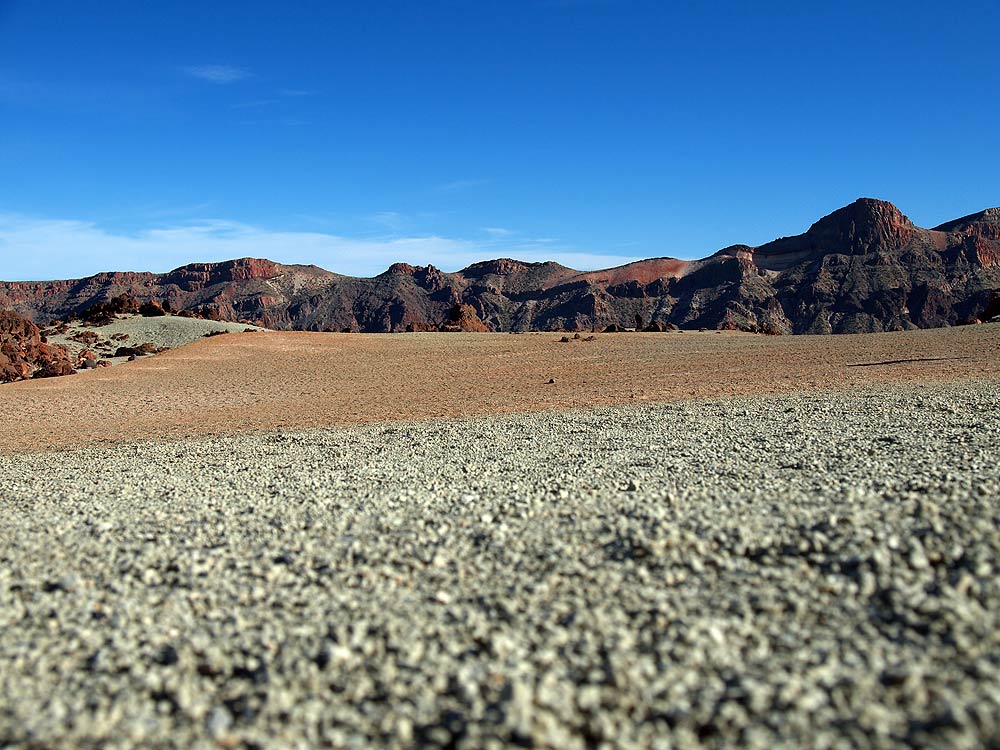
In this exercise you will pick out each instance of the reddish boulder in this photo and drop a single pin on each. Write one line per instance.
(52, 361)
(464, 318)
(22, 353)
(209, 313)
(85, 337)
(87, 359)
(151, 309)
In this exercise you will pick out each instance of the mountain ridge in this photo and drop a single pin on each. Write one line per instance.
(864, 267)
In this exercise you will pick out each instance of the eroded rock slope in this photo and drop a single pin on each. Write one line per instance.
(864, 268)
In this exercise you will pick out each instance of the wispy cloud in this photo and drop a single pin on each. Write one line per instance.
(498, 231)
(458, 185)
(254, 104)
(174, 211)
(296, 92)
(389, 220)
(217, 73)
(32, 248)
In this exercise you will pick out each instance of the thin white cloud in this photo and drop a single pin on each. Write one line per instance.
(175, 211)
(217, 73)
(32, 249)
(254, 104)
(392, 220)
(296, 92)
(456, 186)
(498, 231)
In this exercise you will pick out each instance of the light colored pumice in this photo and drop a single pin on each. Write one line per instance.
(762, 572)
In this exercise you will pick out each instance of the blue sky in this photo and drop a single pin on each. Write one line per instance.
(145, 135)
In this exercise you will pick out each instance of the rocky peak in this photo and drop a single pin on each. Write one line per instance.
(401, 269)
(498, 267)
(197, 275)
(428, 276)
(867, 225)
(985, 224)
(733, 251)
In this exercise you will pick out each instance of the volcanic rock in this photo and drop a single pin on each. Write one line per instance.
(991, 311)
(137, 351)
(865, 267)
(103, 312)
(22, 353)
(151, 309)
(463, 317)
(419, 327)
(985, 224)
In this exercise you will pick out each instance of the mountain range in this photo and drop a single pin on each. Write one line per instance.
(863, 268)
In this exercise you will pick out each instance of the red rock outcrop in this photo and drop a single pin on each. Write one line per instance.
(463, 318)
(985, 224)
(24, 355)
(199, 275)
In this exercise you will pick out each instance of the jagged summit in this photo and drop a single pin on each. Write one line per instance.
(732, 251)
(504, 267)
(984, 224)
(865, 225)
(406, 269)
(868, 225)
(866, 210)
(987, 216)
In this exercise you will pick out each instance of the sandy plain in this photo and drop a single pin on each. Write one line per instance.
(275, 381)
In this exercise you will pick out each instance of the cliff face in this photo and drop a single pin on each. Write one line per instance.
(865, 267)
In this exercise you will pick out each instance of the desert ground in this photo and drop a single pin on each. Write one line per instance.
(283, 381)
(689, 540)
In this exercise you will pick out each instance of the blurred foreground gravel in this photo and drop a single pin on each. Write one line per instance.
(811, 571)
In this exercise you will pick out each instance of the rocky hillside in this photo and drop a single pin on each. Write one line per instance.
(865, 267)
(24, 353)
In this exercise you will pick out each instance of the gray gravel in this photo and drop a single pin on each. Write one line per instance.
(166, 331)
(813, 571)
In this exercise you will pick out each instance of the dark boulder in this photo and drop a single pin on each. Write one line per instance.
(151, 309)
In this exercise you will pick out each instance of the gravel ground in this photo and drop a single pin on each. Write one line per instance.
(797, 571)
(167, 331)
